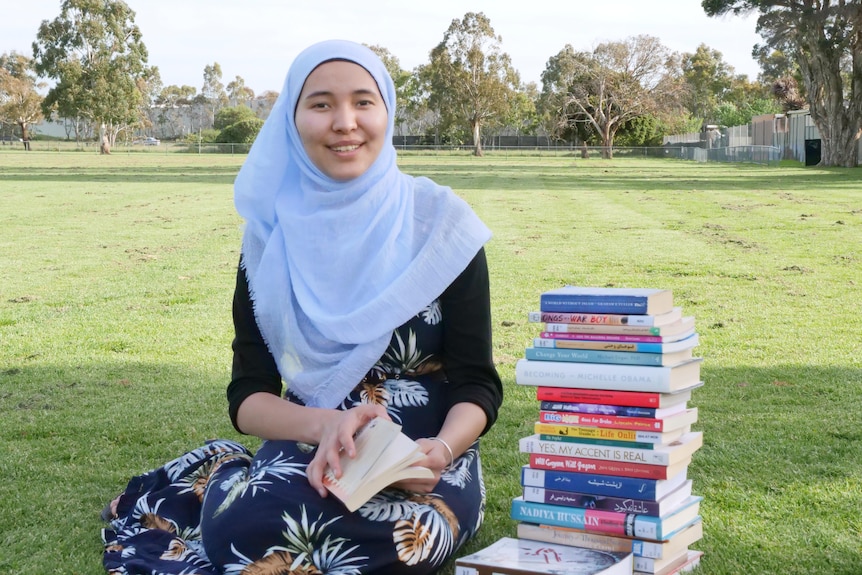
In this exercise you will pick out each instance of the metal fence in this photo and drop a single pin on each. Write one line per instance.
(690, 151)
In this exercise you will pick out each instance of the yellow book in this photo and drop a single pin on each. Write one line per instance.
(384, 455)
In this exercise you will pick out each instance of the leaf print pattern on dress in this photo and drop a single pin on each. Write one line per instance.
(428, 534)
(309, 550)
(433, 313)
(256, 478)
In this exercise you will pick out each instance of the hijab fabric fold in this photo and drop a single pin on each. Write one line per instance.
(335, 266)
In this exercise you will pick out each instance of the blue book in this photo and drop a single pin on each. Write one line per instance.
(599, 356)
(634, 301)
(609, 485)
(608, 522)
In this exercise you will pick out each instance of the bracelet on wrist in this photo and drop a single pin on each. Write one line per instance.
(449, 449)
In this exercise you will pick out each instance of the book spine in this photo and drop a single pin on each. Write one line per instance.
(597, 466)
(575, 538)
(590, 318)
(615, 346)
(591, 483)
(580, 538)
(532, 444)
(598, 502)
(603, 329)
(653, 424)
(607, 522)
(592, 441)
(597, 408)
(603, 396)
(611, 304)
(603, 337)
(576, 432)
(592, 376)
(593, 356)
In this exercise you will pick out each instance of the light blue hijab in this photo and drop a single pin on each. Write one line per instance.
(335, 266)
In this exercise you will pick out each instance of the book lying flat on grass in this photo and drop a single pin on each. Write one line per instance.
(384, 455)
(510, 556)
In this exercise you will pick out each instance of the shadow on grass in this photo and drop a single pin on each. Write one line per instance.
(208, 174)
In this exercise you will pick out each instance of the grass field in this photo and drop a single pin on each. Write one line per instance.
(115, 332)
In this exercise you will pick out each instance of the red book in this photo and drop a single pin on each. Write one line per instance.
(604, 467)
(611, 397)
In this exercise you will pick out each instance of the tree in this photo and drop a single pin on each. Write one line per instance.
(172, 110)
(238, 93)
(708, 78)
(612, 86)
(401, 79)
(820, 36)
(470, 79)
(213, 95)
(231, 115)
(94, 52)
(20, 102)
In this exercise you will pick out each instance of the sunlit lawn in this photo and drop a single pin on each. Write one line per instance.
(115, 332)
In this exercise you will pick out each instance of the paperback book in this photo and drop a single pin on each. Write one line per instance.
(677, 542)
(604, 485)
(608, 503)
(599, 356)
(577, 433)
(607, 467)
(605, 318)
(579, 299)
(607, 522)
(511, 556)
(384, 455)
(611, 377)
(682, 325)
(678, 451)
(602, 409)
(571, 341)
(619, 337)
(668, 423)
(655, 400)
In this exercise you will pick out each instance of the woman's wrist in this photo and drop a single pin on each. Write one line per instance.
(449, 452)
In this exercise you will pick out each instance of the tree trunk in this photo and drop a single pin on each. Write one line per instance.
(105, 145)
(837, 115)
(25, 135)
(608, 144)
(477, 139)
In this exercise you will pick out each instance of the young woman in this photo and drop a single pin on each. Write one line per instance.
(363, 292)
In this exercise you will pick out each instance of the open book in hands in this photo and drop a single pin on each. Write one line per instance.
(384, 455)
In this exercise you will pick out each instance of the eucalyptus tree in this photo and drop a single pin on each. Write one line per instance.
(213, 95)
(597, 93)
(238, 93)
(94, 52)
(469, 79)
(20, 102)
(823, 38)
(707, 79)
(403, 86)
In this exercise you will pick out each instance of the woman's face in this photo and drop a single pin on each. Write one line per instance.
(341, 119)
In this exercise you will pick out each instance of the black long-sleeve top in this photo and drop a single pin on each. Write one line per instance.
(467, 351)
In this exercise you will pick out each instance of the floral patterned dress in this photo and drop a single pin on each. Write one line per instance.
(220, 509)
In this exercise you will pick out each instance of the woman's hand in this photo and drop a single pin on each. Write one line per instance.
(436, 459)
(337, 437)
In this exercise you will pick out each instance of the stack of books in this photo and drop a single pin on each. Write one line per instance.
(614, 370)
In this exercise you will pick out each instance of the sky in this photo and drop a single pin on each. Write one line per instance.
(257, 39)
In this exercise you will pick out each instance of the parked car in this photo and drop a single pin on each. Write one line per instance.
(147, 142)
